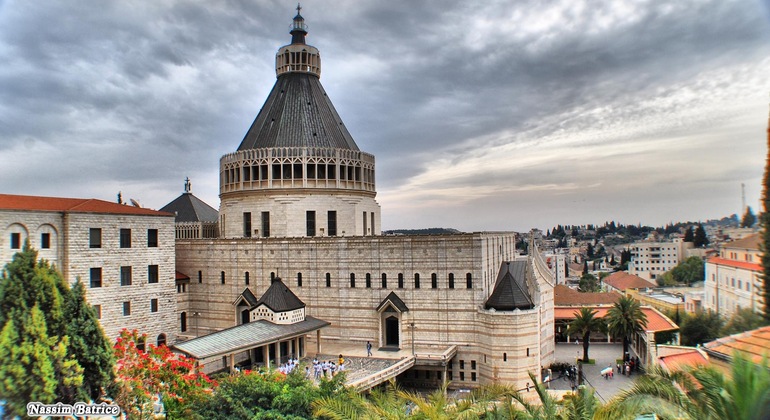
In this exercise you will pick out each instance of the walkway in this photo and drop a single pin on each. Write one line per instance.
(605, 355)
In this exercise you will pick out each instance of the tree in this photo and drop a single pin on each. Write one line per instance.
(764, 220)
(689, 235)
(590, 251)
(700, 239)
(687, 272)
(625, 319)
(585, 267)
(584, 324)
(744, 319)
(89, 345)
(748, 219)
(702, 327)
(589, 284)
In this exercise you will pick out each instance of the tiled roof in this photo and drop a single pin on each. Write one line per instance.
(510, 290)
(754, 343)
(394, 300)
(246, 336)
(689, 358)
(565, 296)
(249, 297)
(656, 321)
(71, 205)
(622, 281)
(298, 113)
(181, 276)
(189, 208)
(279, 298)
(749, 242)
(735, 264)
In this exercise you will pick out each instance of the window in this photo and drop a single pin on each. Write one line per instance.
(265, 224)
(416, 280)
(222, 277)
(15, 241)
(95, 238)
(246, 278)
(152, 274)
(45, 241)
(368, 280)
(96, 277)
(462, 364)
(400, 280)
(468, 281)
(98, 311)
(153, 305)
(140, 342)
(183, 321)
(161, 340)
(328, 280)
(331, 222)
(126, 308)
(473, 376)
(310, 223)
(473, 365)
(364, 234)
(451, 280)
(200, 276)
(352, 280)
(125, 276)
(505, 357)
(384, 281)
(299, 279)
(247, 224)
(462, 376)
(125, 238)
(433, 281)
(152, 238)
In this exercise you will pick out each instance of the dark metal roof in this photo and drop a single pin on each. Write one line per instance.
(249, 297)
(394, 300)
(511, 290)
(298, 113)
(189, 208)
(246, 336)
(279, 298)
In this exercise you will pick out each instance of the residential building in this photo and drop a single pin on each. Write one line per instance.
(622, 282)
(734, 278)
(651, 259)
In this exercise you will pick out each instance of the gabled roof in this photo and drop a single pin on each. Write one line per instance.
(755, 344)
(565, 296)
(279, 298)
(298, 113)
(247, 297)
(623, 281)
(393, 300)
(178, 275)
(71, 205)
(510, 290)
(749, 242)
(189, 208)
(656, 321)
(690, 358)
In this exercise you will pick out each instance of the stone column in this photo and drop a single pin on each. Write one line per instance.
(318, 342)
(232, 362)
(266, 355)
(277, 353)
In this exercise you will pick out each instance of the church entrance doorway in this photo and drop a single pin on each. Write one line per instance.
(391, 331)
(245, 316)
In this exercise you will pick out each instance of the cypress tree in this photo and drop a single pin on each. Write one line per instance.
(765, 221)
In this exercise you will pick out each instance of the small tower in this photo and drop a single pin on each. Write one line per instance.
(298, 172)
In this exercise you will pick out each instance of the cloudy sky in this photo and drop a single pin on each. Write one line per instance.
(503, 116)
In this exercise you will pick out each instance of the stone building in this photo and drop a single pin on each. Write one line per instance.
(124, 255)
(298, 202)
(734, 277)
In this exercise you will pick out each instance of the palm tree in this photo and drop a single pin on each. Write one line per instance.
(584, 324)
(580, 405)
(702, 393)
(625, 319)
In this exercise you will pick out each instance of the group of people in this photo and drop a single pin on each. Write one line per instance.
(327, 368)
(630, 365)
(289, 366)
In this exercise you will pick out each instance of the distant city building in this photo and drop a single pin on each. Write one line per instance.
(734, 278)
(620, 281)
(124, 255)
(651, 259)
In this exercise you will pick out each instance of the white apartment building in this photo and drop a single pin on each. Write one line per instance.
(651, 259)
(734, 277)
(124, 256)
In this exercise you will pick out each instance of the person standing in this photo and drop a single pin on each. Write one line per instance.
(368, 349)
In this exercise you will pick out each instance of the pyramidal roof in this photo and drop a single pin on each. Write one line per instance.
(279, 298)
(511, 290)
(298, 113)
(189, 208)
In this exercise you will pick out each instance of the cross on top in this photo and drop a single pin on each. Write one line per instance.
(187, 185)
(298, 8)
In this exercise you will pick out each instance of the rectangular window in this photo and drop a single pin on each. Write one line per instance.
(265, 224)
(45, 241)
(222, 277)
(126, 308)
(468, 281)
(247, 224)
(310, 223)
(368, 280)
(328, 280)
(152, 238)
(331, 223)
(416, 280)
(352, 280)
(400, 280)
(462, 364)
(462, 376)
(433, 281)
(153, 305)
(152, 274)
(364, 224)
(98, 310)
(451, 280)
(95, 238)
(125, 238)
(473, 376)
(473, 365)
(96, 277)
(15, 241)
(125, 276)
(372, 224)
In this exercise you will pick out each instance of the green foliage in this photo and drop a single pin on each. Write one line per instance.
(700, 239)
(689, 235)
(687, 272)
(583, 325)
(748, 219)
(702, 327)
(589, 284)
(625, 319)
(743, 319)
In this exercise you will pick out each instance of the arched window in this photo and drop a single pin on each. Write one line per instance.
(451, 280)
(352, 280)
(140, 343)
(433, 281)
(368, 280)
(400, 280)
(246, 278)
(384, 281)
(468, 281)
(505, 357)
(222, 277)
(299, 279)
(416, 280)
(161, 340)
(328, 280)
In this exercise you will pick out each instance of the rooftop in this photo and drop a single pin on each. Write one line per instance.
(621, 280)
(565, 296)
(656, 321)
(72, 205)
(754, 343)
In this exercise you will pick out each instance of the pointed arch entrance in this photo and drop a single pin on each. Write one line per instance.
(392, 331)
(391, 310)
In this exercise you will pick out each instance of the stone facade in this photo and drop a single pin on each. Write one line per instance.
(70, 249)
(734, 278)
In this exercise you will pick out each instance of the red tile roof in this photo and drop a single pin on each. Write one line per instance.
(754, 343)
(656, 321)
(622, 281)
(564, 296)
(689, 358)
(71, 205)
(181, 276)
(735, 264)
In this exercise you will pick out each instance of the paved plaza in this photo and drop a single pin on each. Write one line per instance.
(605, 355)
